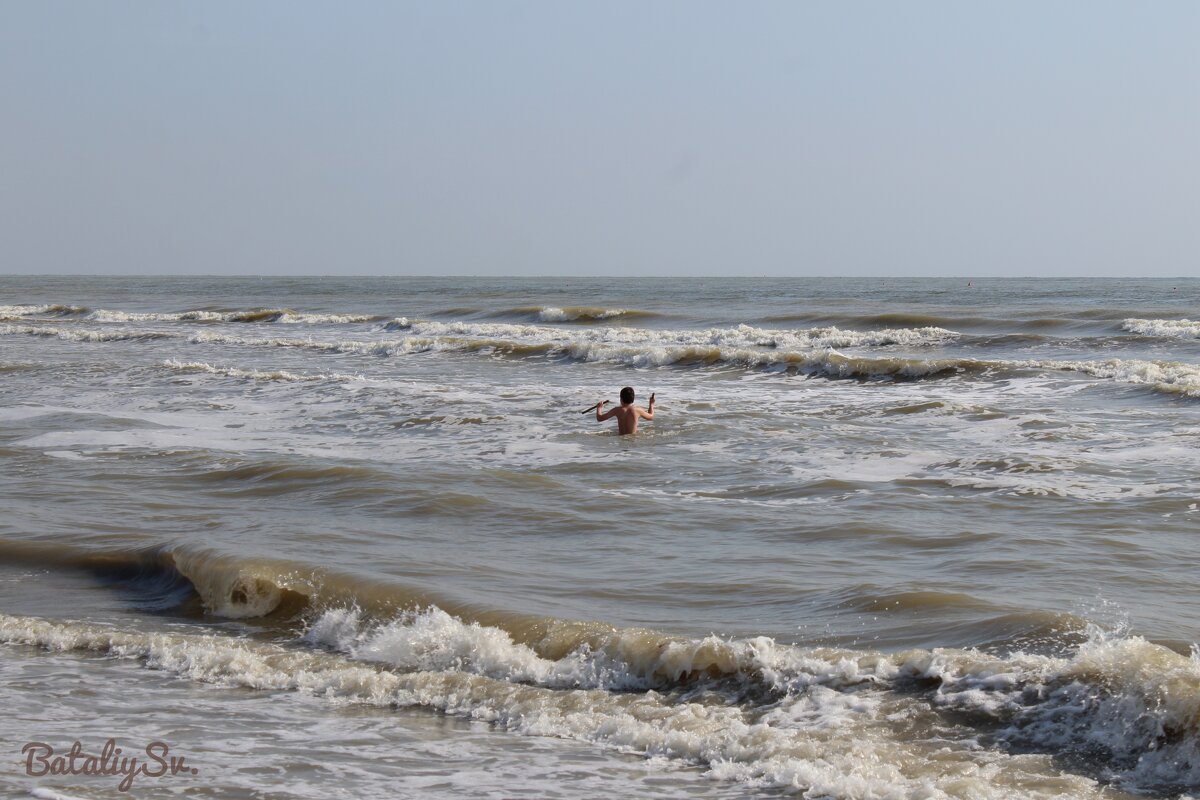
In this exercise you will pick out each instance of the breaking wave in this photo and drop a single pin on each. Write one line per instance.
(282, 315)
(1115, 709)
(1169, 377)
(813, 351)
(81, 334)
(195, 316)
(748, 350)
(737, 336)
(252, 374)
(822, 722)
(576, 314)
(750, 354)
(1167, 328)
(52, 309)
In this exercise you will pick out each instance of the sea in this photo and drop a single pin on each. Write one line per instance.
(356, 537)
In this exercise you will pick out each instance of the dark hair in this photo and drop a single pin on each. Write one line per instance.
(627, 395)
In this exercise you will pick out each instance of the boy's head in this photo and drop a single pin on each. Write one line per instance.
(627, 395)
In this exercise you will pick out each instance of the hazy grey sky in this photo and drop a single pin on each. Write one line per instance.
(662, 138)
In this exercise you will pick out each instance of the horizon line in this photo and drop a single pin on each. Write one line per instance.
(593, 277)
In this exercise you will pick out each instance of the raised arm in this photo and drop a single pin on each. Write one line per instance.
(647, 413)
(606, 415)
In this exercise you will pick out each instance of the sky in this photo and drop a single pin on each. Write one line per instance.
(626, 138)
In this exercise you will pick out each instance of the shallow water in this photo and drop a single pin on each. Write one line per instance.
(884, 538)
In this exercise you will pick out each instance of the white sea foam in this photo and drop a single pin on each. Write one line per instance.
(815, 739)
(814, 351)
(253, 374)
(555, 314)
(281, 315)
(104, 315)
(80, 334)
(740, 336)
(639, 348)
(28, 310)
(1168, 328)
(50, 794)
(375, 348)
(828, 362)
(1171, 377)
(435, 641)
(1117, 694)
(822, 708)
(826, 733)
(293, 317)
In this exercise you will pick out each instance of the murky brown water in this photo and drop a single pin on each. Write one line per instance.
(883, 538)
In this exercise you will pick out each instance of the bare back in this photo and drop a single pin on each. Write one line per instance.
(627, 417)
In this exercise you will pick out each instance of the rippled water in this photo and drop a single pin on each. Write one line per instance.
(883, 538)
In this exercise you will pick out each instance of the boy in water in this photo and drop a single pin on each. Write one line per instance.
(627, 414)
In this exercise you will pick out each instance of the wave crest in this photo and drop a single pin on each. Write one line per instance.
(1165, 328)
(573, 314)
(81, 334)
(50, 309)
(1169, 377)
(1123, 711)
(252, 374)
(280, 315)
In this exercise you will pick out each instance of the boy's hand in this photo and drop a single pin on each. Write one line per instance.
(652, 400)
(601, 404)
